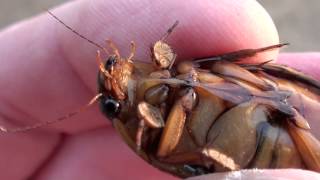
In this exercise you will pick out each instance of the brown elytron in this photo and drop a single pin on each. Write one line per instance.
(213, 114)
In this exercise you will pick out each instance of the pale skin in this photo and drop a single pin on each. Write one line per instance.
(47, 71)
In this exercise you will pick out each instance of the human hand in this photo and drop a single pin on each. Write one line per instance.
(47, 71)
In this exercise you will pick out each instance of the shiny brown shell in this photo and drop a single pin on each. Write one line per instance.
(214, 114)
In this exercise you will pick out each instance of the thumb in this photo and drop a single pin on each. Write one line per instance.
(285, 174)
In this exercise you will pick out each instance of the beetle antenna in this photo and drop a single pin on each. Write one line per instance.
(169, 31)
(74, 31)
(46, 123)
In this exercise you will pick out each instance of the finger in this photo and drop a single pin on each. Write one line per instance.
(305, 62)
(49, 71)
(286, 174)
(22, 155)
(93, 156)
(46, 70)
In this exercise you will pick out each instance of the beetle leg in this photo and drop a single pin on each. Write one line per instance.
(132, 51)
(233, 70)
(237, 55)
(188, 70)
(101, 66)
(196, 171)
(185, 67)
(173, 130)
(164, 74)
(139, 134)
(162, 55)
(157, 94)
(307, 145)
(113, 47)
(290, 73)
(169, 31)
(149, 116)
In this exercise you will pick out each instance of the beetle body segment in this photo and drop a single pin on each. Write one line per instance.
(210, 116)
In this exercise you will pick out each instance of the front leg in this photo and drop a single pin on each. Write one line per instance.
(150, 117)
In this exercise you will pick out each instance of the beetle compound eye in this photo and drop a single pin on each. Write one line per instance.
(111, 107)
(110, 62)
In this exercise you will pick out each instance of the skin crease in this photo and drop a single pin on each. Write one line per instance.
(47, 71)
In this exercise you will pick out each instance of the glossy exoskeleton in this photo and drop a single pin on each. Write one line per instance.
(212, 114)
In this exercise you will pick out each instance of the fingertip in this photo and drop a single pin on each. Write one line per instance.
(305, 62)
(207, 28)
(224, 26)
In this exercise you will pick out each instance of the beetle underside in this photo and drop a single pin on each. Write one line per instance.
(214, 114)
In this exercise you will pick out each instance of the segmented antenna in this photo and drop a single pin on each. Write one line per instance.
(169, 31)
(69, 115)
(41, 124)
(74, 31)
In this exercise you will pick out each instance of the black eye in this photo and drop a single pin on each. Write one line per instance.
(110, 107)
(110, 62)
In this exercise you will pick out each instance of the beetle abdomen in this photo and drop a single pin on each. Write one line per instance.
(220, 116)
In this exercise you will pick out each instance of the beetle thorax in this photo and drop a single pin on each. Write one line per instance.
(121, 74)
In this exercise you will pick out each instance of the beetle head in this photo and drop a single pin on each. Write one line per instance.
(114, 80)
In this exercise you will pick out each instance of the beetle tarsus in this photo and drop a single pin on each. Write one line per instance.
(113, 47)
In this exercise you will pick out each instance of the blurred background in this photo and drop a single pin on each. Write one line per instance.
(298, 21)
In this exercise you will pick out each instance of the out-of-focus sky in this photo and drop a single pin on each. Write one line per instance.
(298, 21)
